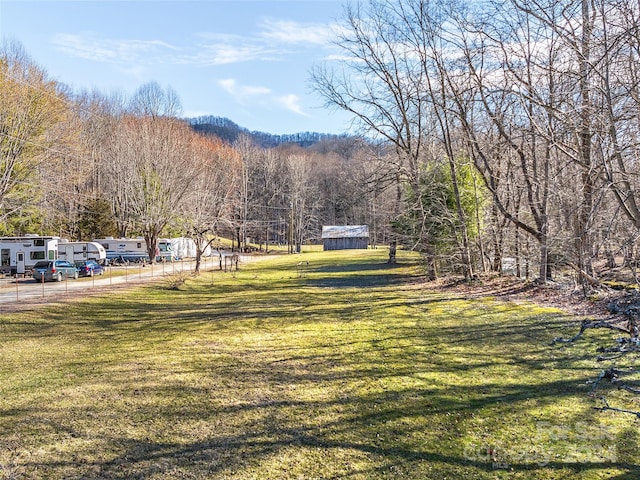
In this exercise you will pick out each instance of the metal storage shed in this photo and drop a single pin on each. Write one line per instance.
(345, 237)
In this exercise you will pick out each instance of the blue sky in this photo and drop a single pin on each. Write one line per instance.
(245, 60)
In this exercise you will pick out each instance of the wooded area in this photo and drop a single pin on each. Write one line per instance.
(86, 165)
(488, 135)
(540, 98)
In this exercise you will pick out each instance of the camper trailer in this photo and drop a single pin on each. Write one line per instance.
(184, 247)
(165, 250)
(81, 251)
(18, 255)
(134, 249)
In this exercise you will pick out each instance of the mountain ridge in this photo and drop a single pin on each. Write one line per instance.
(229, 131)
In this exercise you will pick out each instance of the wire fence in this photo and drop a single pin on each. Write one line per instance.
(19, 288)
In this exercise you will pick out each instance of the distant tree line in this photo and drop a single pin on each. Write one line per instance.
(488, 138)
(84, 165)
(230, 132)
(531, 107)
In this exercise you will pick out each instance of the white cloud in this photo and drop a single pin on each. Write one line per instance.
(290, 32)
(272, 43)
(261, 96)
(98, 49)
(242, 92)
(292, 102)
(222, 51)
(224, 54)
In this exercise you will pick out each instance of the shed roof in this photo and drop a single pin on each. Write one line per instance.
(345, 231)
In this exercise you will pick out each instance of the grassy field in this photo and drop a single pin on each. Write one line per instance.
(340, 368)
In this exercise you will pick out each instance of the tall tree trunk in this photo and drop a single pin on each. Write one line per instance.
(583, 237)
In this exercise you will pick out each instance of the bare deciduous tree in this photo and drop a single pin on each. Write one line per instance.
(396, 85)
(151, 100)
(160, 172)
(208, 200)
(31, 105)
(302, 198)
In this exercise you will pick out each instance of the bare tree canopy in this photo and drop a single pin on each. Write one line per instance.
(541, 96)
(30, 108)
(151, 100)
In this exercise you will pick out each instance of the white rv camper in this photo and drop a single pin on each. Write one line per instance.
(133, 249)
(19, 254)
(184, 247)
(165, 250)
(81, 251)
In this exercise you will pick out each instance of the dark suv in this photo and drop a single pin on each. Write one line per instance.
(89, 268)
(54, 270)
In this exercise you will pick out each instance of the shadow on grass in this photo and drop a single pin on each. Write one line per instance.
(216, 459)
(364, 426)
(357, 274)
(359, 281)
(375, 383)
(358, 267)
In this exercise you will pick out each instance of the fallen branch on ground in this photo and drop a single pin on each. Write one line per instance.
(586, 324)
(625, 319)
(613, 375)
(614, 409)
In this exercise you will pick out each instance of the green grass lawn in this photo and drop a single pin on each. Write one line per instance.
(342, 368)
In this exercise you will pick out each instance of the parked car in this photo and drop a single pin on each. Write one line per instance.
(54, 270)
(89, 268)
